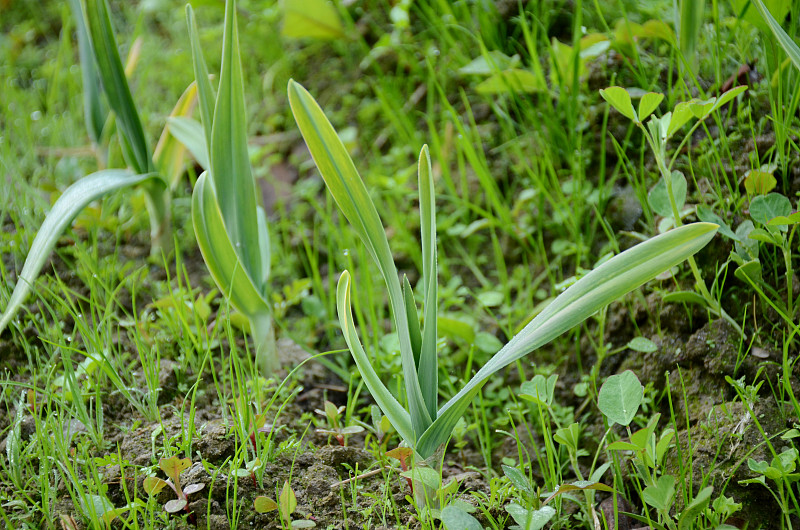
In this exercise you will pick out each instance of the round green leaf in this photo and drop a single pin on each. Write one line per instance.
(620, 397)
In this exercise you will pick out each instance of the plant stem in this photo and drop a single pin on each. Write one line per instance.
(157, 199)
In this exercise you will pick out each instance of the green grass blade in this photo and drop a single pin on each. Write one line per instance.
(230, 162)
(385, 400)
(350, 193)
(189, 132)
(264, 246)
(603, 285)
(219, 254)
(72, 201)
(785, 41)
(205, 91)
(115, 84)
(94, 113)
(691, 13)
(428, 366)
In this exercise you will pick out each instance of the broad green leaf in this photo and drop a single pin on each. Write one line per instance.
(785, 220)
(642, 345)
(727, 96)
(620, 396)
(659, 196)
(490, 298)
(707, 215)
(569, 436)
(287, 500)
(386, 401)
(425, 475)
(455, 518)
(115, 84)
(767, 207)
(759, 182)
(175, 505)
(487, 343)
(174, 466)
(350, 193)
(219, 254)
(428, 368)
(514, 81)
(530, 519)
(540, 389)
(72, 201)
(608, 282)
(694, 509)
(453, 328)
(619, 98)
(94, 112)
(648, 104)
(662, 495)
(263, 504)
(170, 151)
(311, 18)
(154, 485)
(205, 92)
(230, 162)
(744, 246)
(518, 479)
(189, 132)
(681, 114)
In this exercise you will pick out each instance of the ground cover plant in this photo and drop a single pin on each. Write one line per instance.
(315, 346)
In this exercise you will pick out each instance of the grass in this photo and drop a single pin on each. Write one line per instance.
(119, 359)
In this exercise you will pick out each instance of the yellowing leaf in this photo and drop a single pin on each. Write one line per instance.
(316, 19)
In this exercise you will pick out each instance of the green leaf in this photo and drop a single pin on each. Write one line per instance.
(350, 193)
(94, 111)
(707, 215)
(386, 401)
(530, 519)
(514, 81)
(694, 509)
(659, 197)
(642, 345)
(689, 297)
(170, 151)
(174, 466)
(205, 92)
(648, 104)
(660, 496)
(702, 108)
(263, 504)
(230, 162)
(620, 396)
(115, 84)
(785, 220)
(287, 500)
(428, 367)
(759, 182)
(413, 319)
(175, 505)
(767, 207)
(455, 518)
(540, 389)
(619, 98)
(425, 475)
(681, 114)
(153, 485)
(608, 282)
(219, 254)
(579, 485)
(450, 327)
(569, 436)
(487, 343)
(490, 63)
(518, 479)
(189, 132)
(311, 18)
(725, 97)
(72, 201)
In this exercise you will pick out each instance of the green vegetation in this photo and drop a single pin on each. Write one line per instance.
(531, 267)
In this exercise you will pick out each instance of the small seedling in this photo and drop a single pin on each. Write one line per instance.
(250, 470)
(172, 467)
(286, 505)
(332, 413)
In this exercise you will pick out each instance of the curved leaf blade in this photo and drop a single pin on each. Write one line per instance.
(72, 201)
(219, 254)
(608, 282)
(189, 132)
(170, 152)
(428, 368)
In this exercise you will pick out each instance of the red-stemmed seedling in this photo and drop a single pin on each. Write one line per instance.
(172, 467)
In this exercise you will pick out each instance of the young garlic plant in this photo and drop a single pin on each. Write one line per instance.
(156, 173)
(424, 425)
(230, 226)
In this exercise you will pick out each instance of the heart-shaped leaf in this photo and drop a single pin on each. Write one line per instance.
(662, 494)
(620, 397)
(620, 99)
